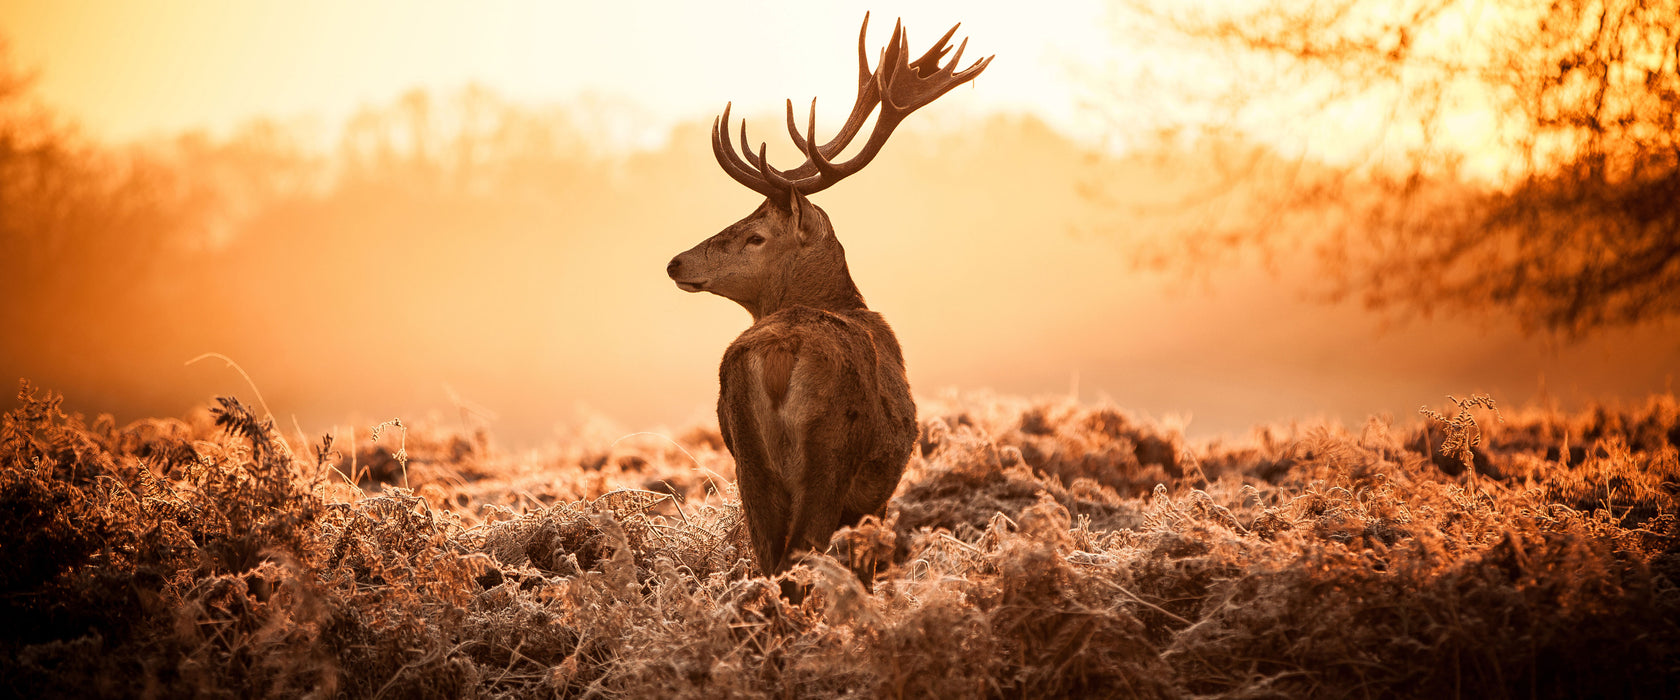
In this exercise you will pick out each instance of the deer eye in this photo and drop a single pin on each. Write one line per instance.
(755, 240)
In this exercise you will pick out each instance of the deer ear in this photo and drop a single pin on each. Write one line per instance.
(796, 210)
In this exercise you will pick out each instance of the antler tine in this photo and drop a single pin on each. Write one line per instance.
(975, 69)
(930, 60)
(773, 177)
(731, 163)
(867, 96)
(956, 59)
(746, 148)
(891, 57)
(793, 129)
(863, 55)
(817, 159)
(774, 180)
(758, 162)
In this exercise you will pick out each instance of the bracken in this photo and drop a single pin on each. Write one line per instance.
(1043, 549)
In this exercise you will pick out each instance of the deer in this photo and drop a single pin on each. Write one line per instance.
(813, 400)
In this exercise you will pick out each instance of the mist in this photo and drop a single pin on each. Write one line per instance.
(469, 260)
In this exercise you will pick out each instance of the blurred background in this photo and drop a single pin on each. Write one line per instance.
(1225, 213)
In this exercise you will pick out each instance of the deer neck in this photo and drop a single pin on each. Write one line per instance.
(816, 277)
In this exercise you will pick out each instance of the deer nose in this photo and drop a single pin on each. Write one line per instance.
(671, 269)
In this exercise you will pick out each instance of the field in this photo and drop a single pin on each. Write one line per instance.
(1034, 549)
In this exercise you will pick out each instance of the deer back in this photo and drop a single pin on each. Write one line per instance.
(805, 374)
(816, 407)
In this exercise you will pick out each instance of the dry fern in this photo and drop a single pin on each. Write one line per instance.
(1052, 550)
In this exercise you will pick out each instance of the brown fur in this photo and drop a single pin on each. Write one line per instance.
(777, 369)
(813, 400)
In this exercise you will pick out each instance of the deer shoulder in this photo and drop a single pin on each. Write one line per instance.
(816, 372)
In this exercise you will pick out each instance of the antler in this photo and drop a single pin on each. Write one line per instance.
(897, 86)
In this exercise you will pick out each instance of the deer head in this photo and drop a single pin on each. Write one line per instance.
(785, 252)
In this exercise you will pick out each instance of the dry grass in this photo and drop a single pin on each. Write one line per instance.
(1033, 550)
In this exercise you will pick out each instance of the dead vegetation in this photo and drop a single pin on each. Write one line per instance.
(1043, 549)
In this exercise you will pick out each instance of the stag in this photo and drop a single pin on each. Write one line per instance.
(813, 400)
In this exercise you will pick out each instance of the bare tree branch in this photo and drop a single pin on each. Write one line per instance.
(1578, 226)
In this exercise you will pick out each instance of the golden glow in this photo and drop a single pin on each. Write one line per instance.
(547, 292)
(129, 69)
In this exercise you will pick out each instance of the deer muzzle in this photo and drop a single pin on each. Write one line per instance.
(675, 270)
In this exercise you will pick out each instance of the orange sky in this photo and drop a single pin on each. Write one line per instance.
(129, 69)
(1100, 75)
(967, 233)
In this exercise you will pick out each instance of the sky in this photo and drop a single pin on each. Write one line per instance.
(968, 233)
(1095, 71)
(127, 70)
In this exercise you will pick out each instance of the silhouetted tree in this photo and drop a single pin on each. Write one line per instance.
(1530, 161)
(78, 221)
(95, 240)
